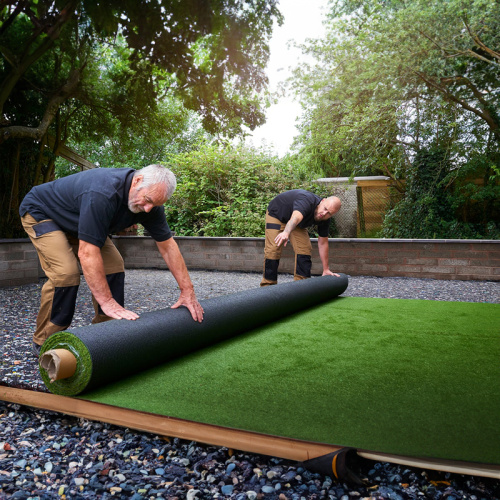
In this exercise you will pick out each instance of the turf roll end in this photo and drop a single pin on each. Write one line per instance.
(76, 383)
(335, 465)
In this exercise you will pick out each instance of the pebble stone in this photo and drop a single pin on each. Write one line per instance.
(45, 455)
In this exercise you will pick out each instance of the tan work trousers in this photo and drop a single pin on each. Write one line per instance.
(58, 254)
(299, 238)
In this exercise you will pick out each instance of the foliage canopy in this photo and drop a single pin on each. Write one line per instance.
(225, 191)
(396, 79)
(81, 69)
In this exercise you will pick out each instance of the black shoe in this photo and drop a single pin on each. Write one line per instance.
(36, 349)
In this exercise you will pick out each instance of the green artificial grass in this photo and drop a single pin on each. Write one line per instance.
(409, 377)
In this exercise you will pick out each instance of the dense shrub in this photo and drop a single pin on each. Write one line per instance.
(442, 202)
(224, 191)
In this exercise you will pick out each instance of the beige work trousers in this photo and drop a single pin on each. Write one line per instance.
(58, 254)
(301, 243)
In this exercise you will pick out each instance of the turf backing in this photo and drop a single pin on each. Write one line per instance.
(114, 350)
(409, 377)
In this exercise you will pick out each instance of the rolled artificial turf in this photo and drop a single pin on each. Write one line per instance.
(406, 377)
(116, 349)
(409, 377)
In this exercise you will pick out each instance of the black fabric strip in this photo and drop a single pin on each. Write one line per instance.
(304, 264)
(63, 305)
(271, 269)
(270, 225)
(45, 227)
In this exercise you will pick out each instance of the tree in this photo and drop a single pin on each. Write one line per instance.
(113, 138)
(207, 54)
(396, 76)
(396, 79)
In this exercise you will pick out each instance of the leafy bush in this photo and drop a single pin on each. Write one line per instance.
(441, 202)
(224, 191)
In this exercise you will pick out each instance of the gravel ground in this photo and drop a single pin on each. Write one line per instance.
(47, 455)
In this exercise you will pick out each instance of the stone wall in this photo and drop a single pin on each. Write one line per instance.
(437, 259)
(18, 262)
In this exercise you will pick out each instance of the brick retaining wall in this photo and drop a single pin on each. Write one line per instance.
(437, 259)
(18, 262)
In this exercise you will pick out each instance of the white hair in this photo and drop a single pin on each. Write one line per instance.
(158, 174)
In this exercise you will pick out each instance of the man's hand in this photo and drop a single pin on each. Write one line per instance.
(327, 272)
(282, 238)
(114, 310)
(189, 300)
(173, 258)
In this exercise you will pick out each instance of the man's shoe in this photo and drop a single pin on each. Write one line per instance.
(36, 349)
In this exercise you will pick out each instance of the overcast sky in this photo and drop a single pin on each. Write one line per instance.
(303, 19)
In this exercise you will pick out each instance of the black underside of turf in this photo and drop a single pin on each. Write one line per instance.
(119, 348)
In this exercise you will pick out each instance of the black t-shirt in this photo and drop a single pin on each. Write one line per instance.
(305, 202)
(91, 204)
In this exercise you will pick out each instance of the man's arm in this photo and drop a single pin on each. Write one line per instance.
(95, 276)
(294, 221)
(172, 256)
(323, 255)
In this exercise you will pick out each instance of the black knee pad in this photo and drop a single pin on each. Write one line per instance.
(63, 305)
(304, 264)
(271, 269)
(116, 282)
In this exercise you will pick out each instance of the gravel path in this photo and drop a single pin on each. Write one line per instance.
(46, 455)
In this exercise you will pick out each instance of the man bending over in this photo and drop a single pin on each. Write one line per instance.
(68, 221)
(287, 217)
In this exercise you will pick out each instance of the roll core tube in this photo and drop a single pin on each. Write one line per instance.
(58, 363)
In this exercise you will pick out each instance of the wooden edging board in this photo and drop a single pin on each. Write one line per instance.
(253, 442)
(456, 467)
(290, 449)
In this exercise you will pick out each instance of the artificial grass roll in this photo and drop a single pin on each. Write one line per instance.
(116, 349)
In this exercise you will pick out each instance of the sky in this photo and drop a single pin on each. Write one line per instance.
(303, 19)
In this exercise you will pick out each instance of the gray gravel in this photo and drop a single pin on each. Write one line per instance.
(47, 455)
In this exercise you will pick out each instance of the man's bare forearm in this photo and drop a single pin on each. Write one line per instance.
(323, 255)
(175, 262)
(292, 223)
(323, 252)
(95, 275)
(173, 258)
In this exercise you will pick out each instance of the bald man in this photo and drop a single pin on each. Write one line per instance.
(287, 218)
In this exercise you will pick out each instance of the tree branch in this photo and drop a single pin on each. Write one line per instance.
(442, 49)
(36, 133)
(454, 53)
(19, 7)
(480, 44)
(479, 96)
(484, 115)
(28, 59)
(398, 185)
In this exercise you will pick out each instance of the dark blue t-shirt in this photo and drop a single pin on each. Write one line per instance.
(305, 202)
(92, 204)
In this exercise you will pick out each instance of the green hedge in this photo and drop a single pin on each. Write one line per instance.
(224, 191)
